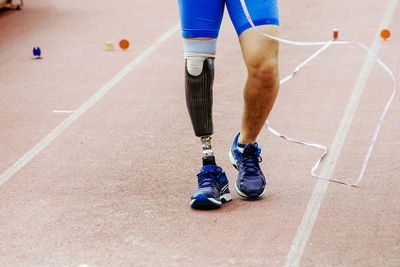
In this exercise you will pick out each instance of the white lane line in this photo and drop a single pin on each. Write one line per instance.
(304, 230)
(85, 106)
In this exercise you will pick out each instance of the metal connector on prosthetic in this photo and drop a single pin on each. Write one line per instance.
(208, 154)
(206, 143)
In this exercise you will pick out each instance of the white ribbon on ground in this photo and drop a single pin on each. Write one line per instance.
(325, 45)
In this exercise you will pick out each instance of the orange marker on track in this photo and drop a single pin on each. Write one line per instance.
(124, 44)
(335, 34)
(385, 34)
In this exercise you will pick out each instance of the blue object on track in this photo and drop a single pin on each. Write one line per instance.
(37, 52)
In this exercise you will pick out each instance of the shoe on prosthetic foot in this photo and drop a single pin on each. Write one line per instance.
(213, 188)
(250, 182)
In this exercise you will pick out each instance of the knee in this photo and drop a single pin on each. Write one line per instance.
(264, 72)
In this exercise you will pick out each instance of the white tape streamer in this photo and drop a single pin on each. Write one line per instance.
(287, 78)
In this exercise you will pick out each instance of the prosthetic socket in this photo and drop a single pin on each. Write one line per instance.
(199, 95)
(199, 98)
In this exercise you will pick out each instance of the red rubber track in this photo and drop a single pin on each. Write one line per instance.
(114, 188)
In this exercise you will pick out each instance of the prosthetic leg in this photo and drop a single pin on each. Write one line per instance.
(213, 189)
(199, 97)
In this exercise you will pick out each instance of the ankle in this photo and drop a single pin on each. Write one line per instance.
(244, 139)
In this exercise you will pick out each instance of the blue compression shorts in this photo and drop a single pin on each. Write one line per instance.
(202, 18)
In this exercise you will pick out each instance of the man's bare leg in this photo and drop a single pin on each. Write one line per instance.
(261, 58)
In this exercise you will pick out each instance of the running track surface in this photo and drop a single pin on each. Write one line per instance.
(112, 188)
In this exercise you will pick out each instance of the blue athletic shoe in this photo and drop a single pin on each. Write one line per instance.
(213, 189)
(250, 183)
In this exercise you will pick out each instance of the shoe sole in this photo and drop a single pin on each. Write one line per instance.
(232, 159)
(202, 202)
(240, 193)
